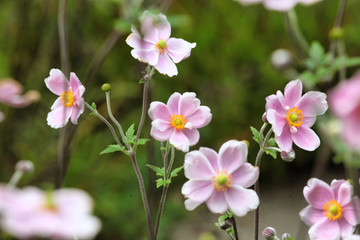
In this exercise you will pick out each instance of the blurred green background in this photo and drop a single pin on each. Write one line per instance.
(229, 70)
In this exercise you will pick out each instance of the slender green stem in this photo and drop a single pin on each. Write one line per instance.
(15, 178)
(342, 56)
(297, 31)
(112, 130)
(147, 78)
(261, 133)
(108, 104)
(235, 228)
(143, 195)
(338, 24)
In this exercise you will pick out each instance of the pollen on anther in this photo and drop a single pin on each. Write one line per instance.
(294, 117)
(67, 98)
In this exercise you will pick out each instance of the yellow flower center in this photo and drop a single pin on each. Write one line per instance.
(222, 181)
(49, 203)
(178, 121)
(333, 210)
(67, 98)
(294, 117)
(161, 46)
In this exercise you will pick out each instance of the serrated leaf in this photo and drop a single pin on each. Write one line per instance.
(272, 153)
(112, 148)
(130, 132)
(160, 182)
(159, 171)
(176, 171)
(271, 142)
(256, 134)
(317, 52)
(142, 141)
(93, 105)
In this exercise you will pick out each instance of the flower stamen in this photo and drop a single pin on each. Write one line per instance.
(161, 46)
(178, 121)
(67, 98)
(294, 116)
(222, 180)
(333, 210)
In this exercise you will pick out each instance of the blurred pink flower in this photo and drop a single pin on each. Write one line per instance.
(279, 5)
(353, 237)
(154, 46)
(10, 94)
(70, 103)
(178, 120)
(291, 116)
(221, 179)
(61, 214)
(333, 212)
(344, 101)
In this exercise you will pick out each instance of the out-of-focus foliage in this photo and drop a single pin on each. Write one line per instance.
(229, 70)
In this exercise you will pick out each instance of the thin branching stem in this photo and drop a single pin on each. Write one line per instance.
(338, 24)
(236, 235)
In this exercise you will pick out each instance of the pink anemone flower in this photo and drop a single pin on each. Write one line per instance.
(344, 101)
(178, 120)
(279, 5)
(10, 94)
(61, 214)
(154, 46)
(70, 103)
(221, 179)
(332, 212)
(292, 116)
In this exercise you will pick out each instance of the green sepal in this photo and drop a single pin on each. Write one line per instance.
(93, 106)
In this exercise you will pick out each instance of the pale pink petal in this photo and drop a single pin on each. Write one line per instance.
(163, 26)
(309, 121)
(280, 5)
(188, 104)
(193, 135)
(241, 200)
(57, 82)
(73, 201)
(284, 141)
(232, 155)
(351, 133)
(352, 237)
(191, 204)
(212, 157)
(76, 85)
(135, 41)
(308, 2)
(217, 203)
(148, 27)
(273, 102)
(147, 56)
(84, 227)
(197, 167)
(306, 138)
(180, 141)
(161, 130)
(245, 176)
(317, 193)
(335, 186)
(9, 88)
(325, 230)
(166, 66)
(345, 194)
(179, 49)
(312, 215)
(159, 110)
(293, 89)
(312, 103)
(58, 117)
(76, 112)
(173, 103)
(198, 191)
(277, 121)
(201, 117)
(351, 212)
(345, 228)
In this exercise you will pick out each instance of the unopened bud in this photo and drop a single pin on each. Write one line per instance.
(106, 87)
(247, 142)
(207, 236)
(264, 118)
(336, 33)
(269, 233)
(285, 236)
(288, 156)
(282, 59)
(224, 225)
(24, 166)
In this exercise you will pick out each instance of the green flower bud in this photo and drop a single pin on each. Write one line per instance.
(106, 87)
(336, 33)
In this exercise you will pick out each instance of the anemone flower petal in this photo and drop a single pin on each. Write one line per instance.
(284, 141)
(306, 138)
(58, 117)
(166, 66)
(173, 103)
(325, 230)
(147, 56)
(313, 103)
(217, 203)
(193, 135)
(200, 117)
(178, 48)
(188, 104)
(277, 121)
(76, 85)
(198, 191)
(246, 175)
(57, 82)
(312, 215)
(241, 200)
(317, 193)
(232, 155)
(159, 110)
(212, 157)
(197, 167)
(135, 41)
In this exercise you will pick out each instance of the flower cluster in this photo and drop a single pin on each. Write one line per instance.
(153, 45)
(60, 214)
(70, 103)
(332, 212)
(292, 115)
(178, 120)
(220, 179)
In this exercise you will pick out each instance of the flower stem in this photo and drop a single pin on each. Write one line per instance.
(149, 72)
(235, 227)
(15, 178)
(143, 195)
(108, 104)
(338, 24)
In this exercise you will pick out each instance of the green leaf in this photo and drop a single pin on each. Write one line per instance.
(271, 142)
(130, 133)
(142, 141)
(93, 105)
(317, 53)
(272, 153)
(160, 182)
(122, 26)
(112, 148)
(159, 171)
(256, 134)
(176, 171)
